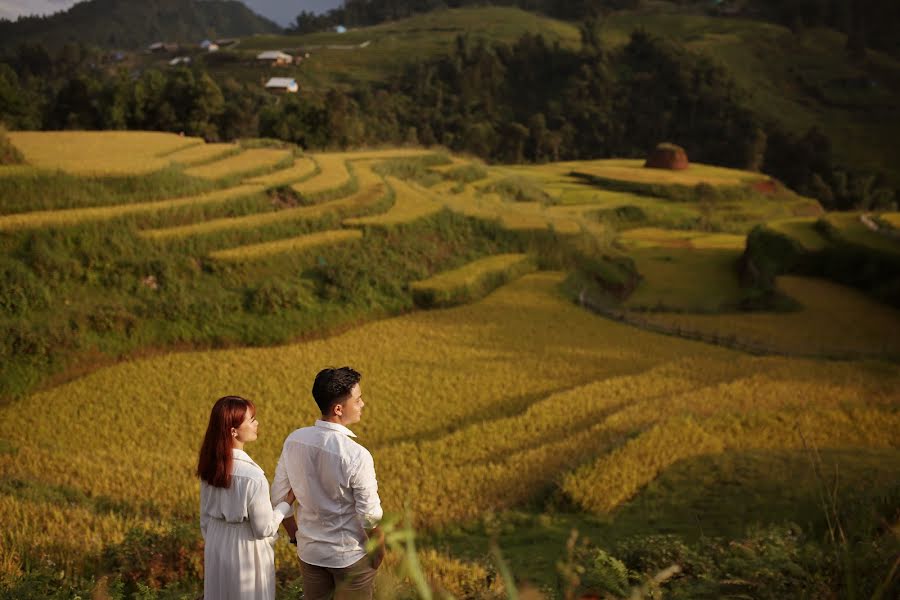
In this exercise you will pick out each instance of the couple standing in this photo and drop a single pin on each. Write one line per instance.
(332, 480)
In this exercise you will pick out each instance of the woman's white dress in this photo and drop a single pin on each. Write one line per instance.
(240, 526)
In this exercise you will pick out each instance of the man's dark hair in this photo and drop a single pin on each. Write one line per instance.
(332, 386)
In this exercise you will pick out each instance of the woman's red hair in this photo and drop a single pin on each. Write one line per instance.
(214, 466)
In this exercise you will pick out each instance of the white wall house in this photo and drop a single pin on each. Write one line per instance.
(282, 84)
(276, 57)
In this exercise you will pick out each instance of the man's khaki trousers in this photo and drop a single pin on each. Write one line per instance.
(355, 582)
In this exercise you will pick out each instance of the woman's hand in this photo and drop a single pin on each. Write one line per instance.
(290, 497)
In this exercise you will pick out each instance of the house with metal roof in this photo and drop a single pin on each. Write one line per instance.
(286, 85)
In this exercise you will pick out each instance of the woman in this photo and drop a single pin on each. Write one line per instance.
(236, 516)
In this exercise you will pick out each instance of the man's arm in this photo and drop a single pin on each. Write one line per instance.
(368, 504)
(281, 485)
(281, 489)
(290, 526)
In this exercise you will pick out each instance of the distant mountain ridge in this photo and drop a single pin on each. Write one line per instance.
(126, 24)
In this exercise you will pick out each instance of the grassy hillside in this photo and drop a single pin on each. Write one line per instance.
(800, 80)
(643, 423)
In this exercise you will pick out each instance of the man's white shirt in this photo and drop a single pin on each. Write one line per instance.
(333, 478)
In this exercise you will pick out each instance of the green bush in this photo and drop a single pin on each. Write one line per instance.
(157, 559)
(466, 173)
(9, 154)
(519, 189)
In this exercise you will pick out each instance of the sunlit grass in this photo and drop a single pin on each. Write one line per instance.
(294, 244)
(202, 153)
(411, 202)
(248, 161)
(72, 216)
(99, 152)
(834, 320)
(302, 168)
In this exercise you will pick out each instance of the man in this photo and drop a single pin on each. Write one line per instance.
(338, 508)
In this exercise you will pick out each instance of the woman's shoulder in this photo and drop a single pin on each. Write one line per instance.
(244, 466)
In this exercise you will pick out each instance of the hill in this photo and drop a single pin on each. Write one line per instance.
(589, 368)
(120, 24)
(797, 80)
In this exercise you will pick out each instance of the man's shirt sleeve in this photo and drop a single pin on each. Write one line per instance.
(365, 491)
(281, 485)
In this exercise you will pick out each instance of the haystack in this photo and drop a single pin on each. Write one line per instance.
(667, 156)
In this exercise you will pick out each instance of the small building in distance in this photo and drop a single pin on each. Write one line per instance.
(283, 85)
(209, 46)
(340, 29)
(180, 60)
(275, 57)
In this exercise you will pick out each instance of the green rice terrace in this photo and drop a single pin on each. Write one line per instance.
(581, 377)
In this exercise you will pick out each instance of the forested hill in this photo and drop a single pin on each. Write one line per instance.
(867, 23)
(126, 24)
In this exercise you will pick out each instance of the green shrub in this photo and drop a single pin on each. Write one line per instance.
(20, 289)
(157, 559)
(519, 189)
(9, 154)
(414, 169)
(466, 173)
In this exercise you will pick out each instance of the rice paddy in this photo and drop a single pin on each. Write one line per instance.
(361, 201)
(303, 168)
(513, 396)
(802, 230)
(411, 202)
(850, 228)
(74, 216)
(202, 153)
(834, 321)
(502, 435)
(248, 161)
(99, 152)
(470, 281)
(294, 244)
(633, 170)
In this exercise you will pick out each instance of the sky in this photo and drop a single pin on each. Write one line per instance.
(282, 12)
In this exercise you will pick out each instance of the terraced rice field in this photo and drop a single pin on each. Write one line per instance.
(282, 246)
(834, 321)
(850, 228)
(202, 153)
(99, 152)
(74, 216)
(332, 175)
(363, 200)
(303, 168)
(801, 230)
(502, 437)
(654, 237)
(634, 170)
(248, 161)
(470, 281)
(411, 202)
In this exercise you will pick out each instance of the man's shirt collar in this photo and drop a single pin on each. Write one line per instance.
(334, 427)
